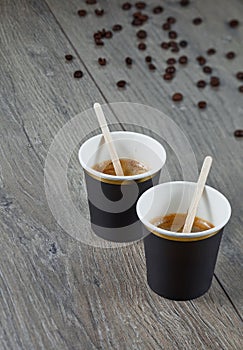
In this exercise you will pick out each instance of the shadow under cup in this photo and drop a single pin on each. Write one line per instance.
(180, 266)
(112, 199)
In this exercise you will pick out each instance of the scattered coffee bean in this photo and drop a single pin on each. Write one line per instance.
(137, 22)
(183, 60)
(214, 81)
(148, 59)
(171, 61)
(233, 23)
(117, 28)
(168, 76)
(99, 42)
(151, 66)
(173, 43)
(102, 61)
(99, 13)
(175, 49)
(78, 74)
(139, 19)
(91, 2)
(201, 84)
(207, 69)
(197, 21)
(158, 9)
(238, 133)
(126, 6)
(172, 34)
(108, 34)
(171, 20)
(201, 60)
(240, 88)
(141, 34)
(97, 35)
(142, 46)
(202, 104)
(69, 57)
(183, 43)
(239, 75)
(140, 5)
(128, 61)
(177, 97)
(184, 2)
(164, 45)
(166, 26)
(121, 83)
(82, 13)
(230, 55)
(211, 51)
(170, 70)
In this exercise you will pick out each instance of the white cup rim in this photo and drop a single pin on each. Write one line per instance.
(98, 174)
(175, 235)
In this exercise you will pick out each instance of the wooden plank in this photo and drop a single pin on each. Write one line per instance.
(209, 131)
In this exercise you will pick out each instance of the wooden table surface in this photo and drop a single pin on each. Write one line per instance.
(58, 292)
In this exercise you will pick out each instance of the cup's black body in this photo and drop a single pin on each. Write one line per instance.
(112, 207)
(180, 270)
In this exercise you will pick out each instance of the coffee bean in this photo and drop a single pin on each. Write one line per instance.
(168, 76)
(82, 13)
(108, 34)
(239, 75)
(173, 43)
(158, 9)
(230, 55)
(170, 70)
(102, 61)
(171, 20)
(238, 133)
(121, 83)
(128, 61)
(141, 34)
(151, 66)
(142, 46)
(172, 34)
(201, 60)
(78, 74)
(69, 57)
(197, 21)
(211, 51)
(148, 59)
(171, 61)
(183, 43)
(140, 5)
(183, 60)
(184, 2)
(99, 13)
(202, 104)
(214, 81)
(139, 15)
(165, 45)
(175, 49)
(117, 28)
(91, 2)
(137, 22)
(126, 6)
(240, 88)
(201, 84)
(99, 42)
(177, 97)
(166, 26)
(207, 69)
(233, 23)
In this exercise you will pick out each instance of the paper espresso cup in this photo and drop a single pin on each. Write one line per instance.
(180, 266)
(112, 199)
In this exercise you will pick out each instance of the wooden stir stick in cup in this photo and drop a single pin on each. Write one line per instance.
(197, 195)
(108, 139)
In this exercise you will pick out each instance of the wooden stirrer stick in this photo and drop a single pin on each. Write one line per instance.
(197, 195)
(108, 139)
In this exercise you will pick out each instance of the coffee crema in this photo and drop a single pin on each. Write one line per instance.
(130, 167)
(175, 222)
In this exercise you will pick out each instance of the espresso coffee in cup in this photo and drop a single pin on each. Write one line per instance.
(130, 167)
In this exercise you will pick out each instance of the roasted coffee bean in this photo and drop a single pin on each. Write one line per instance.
(171, 20)
(78, 74)
(121, 83)
(137, 22)
(128, 61)
(82, 13)
(151, 66)
(166, 26)
(165, 45)
(142, 46)
(139, 15)
(108, 34)
(91, 2)
(170, 70)
(171, 61)
(173, 43)
(148, 59)
(239, 75)
(140, 5)
(197, 21)
(201, 84)
(211, 51)
(184, 2)
(141, 34)
(172, 34)
(214, 81)
(168, 76)
(99, 13)
(69, 57)
(177, 97)
(102, 61)
(240, 88)
(99, 42)
(201, 60)
(230, 55)
(126, 6)
(238, 133)
(202, 104)
(207, 69)
(175, 49)
(117, 28)
(97, 35)
(183, 60)
(183, 43)
(233, 23)
(158, 9)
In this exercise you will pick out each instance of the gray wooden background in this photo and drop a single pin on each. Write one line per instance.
(57, 293)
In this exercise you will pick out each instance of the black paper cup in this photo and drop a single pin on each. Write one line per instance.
(112, 199)
(180, 266)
